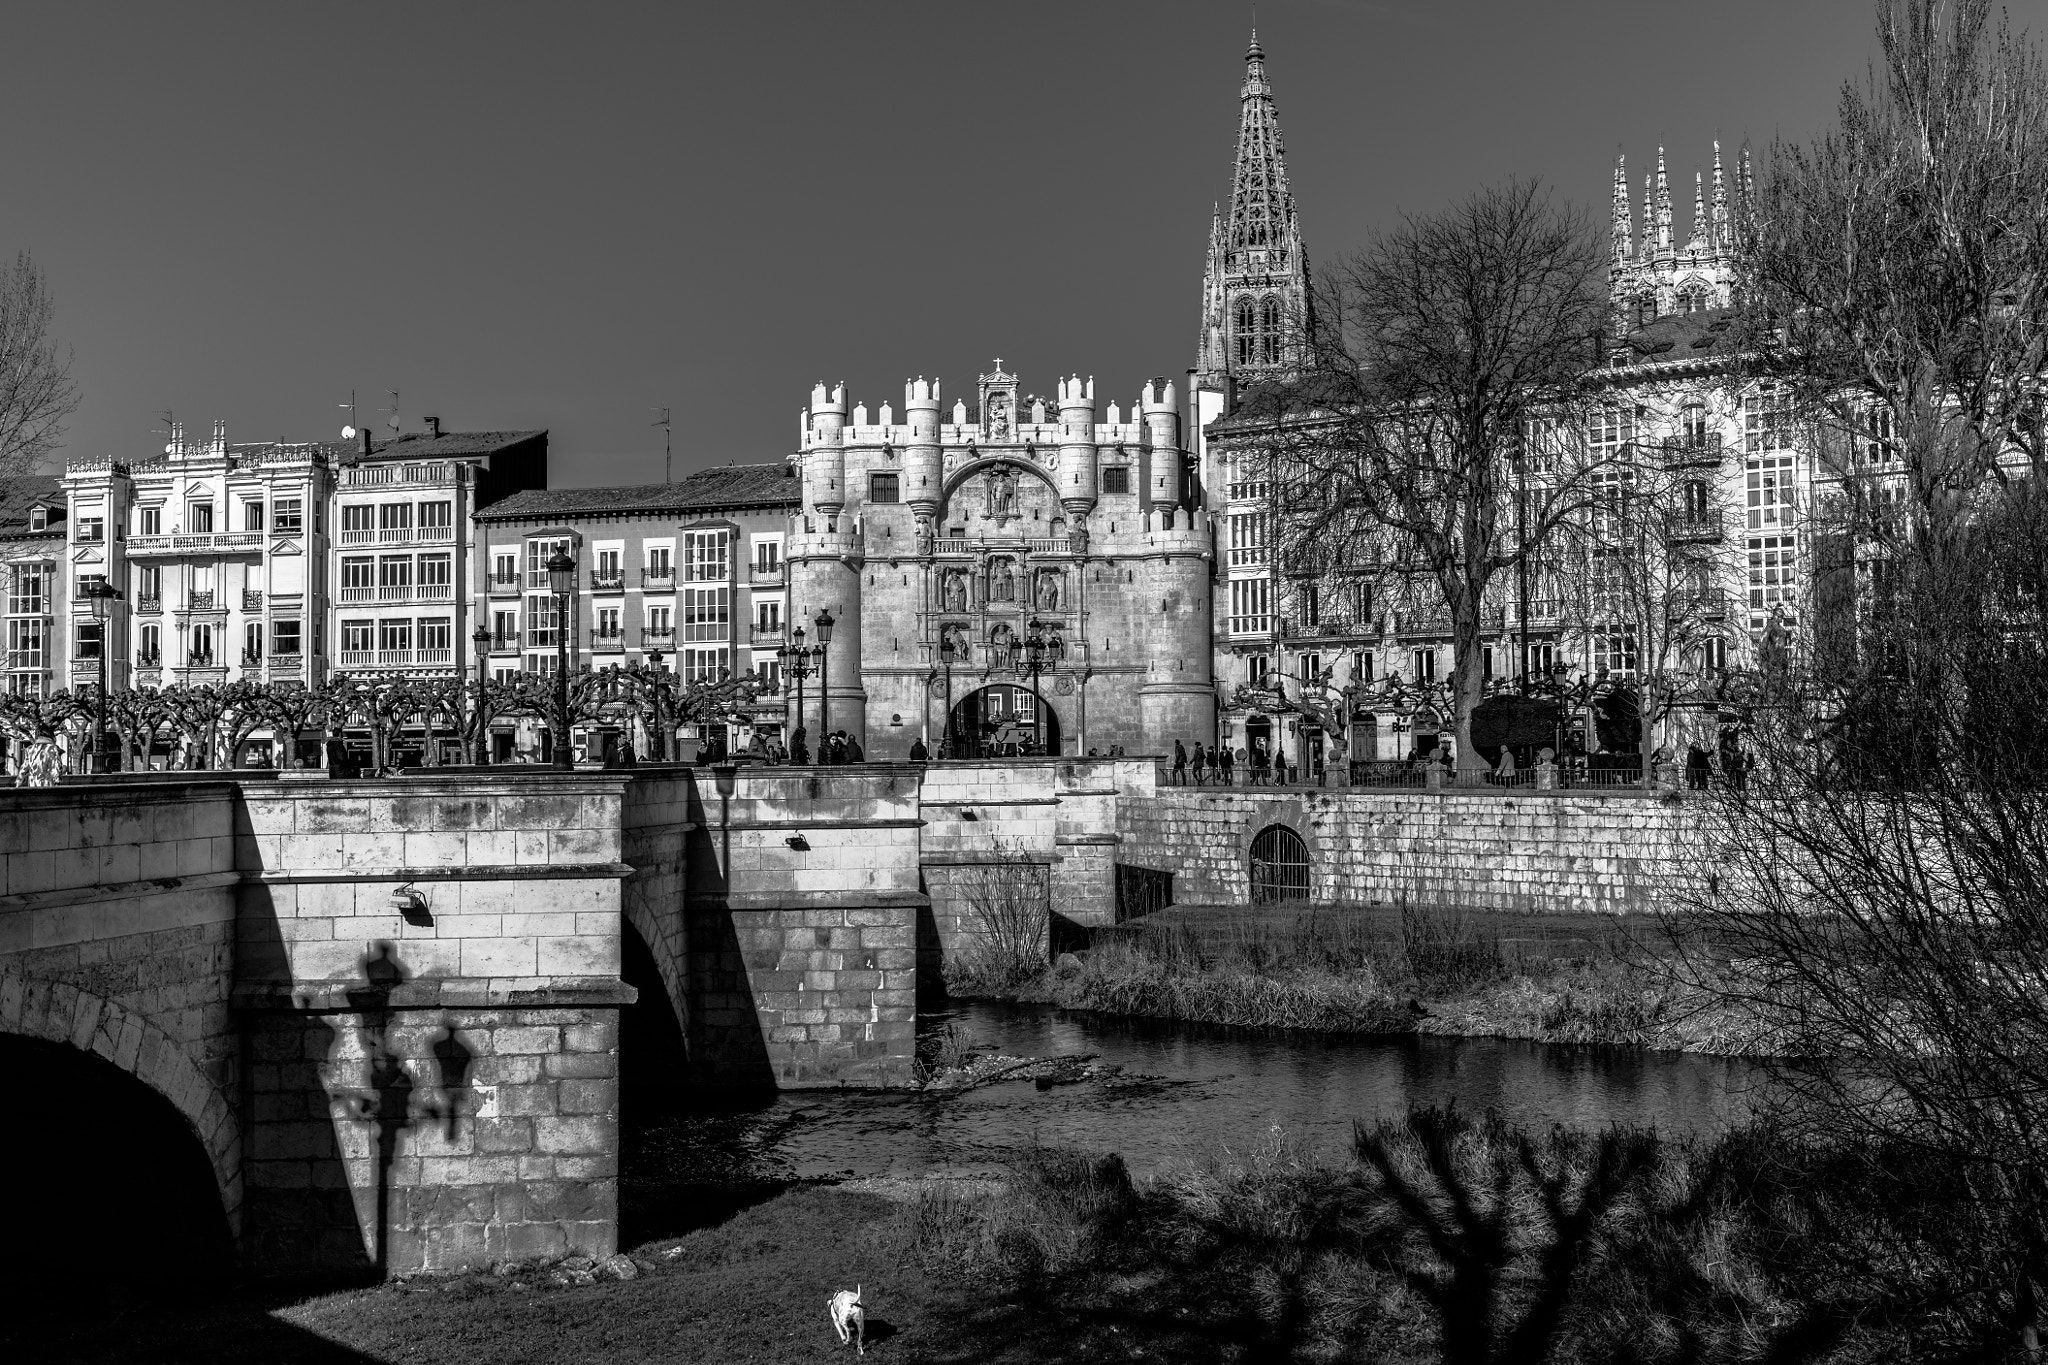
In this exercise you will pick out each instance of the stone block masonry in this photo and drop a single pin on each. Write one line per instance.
(1537, 853)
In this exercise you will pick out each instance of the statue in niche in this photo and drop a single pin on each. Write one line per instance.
(927, 538)
(1048, 591)
(1055, 646)
(999, 417)
(1002, 494)
(955, 592)
(1002, 582)
(1002, 645)
(953, 643)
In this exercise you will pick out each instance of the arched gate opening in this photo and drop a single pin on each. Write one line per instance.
(1279, 866)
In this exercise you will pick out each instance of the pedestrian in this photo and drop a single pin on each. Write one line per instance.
(1504, 773)
(1180, 764)
(854, 754)
(1201, 759)
(1261, 764)
(918, 753)
(1697, 768)
(836, 748)
(799, 747)
(776, 753)
(1223, 764)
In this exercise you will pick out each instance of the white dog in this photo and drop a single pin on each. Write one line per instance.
(849, 1318)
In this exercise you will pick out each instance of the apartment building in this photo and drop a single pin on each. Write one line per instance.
(32, 553)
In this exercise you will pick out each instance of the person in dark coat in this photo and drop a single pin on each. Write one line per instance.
(853, 750)
(1697, 768)
(1224, 763)
(918, 753)
(1180, 764)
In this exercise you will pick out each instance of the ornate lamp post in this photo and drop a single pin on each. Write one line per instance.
(103, 597)
(824, 624)
(562, 582)
(481, 639)
(796, 663)
(658, 740)
(1035, 648)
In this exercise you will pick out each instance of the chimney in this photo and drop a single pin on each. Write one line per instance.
(363, 441)
(433, 427)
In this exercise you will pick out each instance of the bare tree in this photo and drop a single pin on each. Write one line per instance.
(1441, 344)
(36, 389)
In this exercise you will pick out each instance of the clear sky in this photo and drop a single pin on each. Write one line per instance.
(566, 215)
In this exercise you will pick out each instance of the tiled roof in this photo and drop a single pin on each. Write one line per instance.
(448, 445)
(18, 495)
(1683, 336)
(733, 485)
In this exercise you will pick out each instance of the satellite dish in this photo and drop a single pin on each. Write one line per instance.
(348, 433)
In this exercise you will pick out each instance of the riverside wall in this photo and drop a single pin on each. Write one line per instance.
(1536, 853)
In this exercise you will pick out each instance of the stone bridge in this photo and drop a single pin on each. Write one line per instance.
(375, 1025)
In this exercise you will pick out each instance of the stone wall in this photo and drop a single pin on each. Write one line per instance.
(117, 917)
(802, 906)
(429, 974)
(1548, 852)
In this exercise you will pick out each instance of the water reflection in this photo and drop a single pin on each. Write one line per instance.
(1185, 1090)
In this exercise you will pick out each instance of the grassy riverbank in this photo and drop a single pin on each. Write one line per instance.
(1378, 969)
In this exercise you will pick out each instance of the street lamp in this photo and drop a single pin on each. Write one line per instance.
(824, 624)
(103, 597)
(796, 663)
(658, 741)
(1036, 647)
(562, 582)
(482, 640)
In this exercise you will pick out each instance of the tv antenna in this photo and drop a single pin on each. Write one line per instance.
(667, 446)
(169, 429)
(348, 433)
(392, 420)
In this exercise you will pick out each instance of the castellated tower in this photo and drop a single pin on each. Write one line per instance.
(1011, 571)
(824, 554)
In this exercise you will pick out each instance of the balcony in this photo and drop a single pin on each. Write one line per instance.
(221, 542)
(149, 606)
(1693, 526)
(1700, 448)
(658, 580)
(197, 600)
(1705, 604)
(287, 665)
(770, 635)
(385, 475)
(359, 658)
(540, 639)
(435, 535)
(767, 574)
(86, 665)
(252, 658)
(150, 658)
(1248, 625)
(657, 637)
(252, 599)
(500, 586)
(607, 582)
(434, 592)
(505, 644)
(25, 658)
(607, 641)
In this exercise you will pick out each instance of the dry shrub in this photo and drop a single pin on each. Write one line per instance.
(1005, 907)
(1448, 951)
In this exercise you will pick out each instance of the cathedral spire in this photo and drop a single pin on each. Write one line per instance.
(1624, 222)
(1255, 295)
(1649, 219)
(1720, 202)
(1664, 242)
(1699, 213)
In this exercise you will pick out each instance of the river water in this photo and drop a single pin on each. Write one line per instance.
(1179, 1092)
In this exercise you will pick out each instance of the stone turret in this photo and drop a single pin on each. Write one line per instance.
(825, 461)
(924, 466)
(1077, 446)
(1162, 424)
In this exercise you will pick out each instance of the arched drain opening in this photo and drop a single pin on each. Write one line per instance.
(114, 1196)
(1279, 866)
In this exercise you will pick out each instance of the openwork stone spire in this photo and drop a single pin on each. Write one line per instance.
(1255, 292)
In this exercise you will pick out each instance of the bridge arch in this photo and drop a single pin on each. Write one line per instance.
(58, 1012)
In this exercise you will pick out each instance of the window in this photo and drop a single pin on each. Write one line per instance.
(252, 516)
(149, 584)
(150, 522)
(25, 644)
(883, 488)
(1714, 655)
(394, 520)
(39, 518)
(358, 579)
(606, 569)
(1879, 433)
(1425, 665)
(1769, 489)
(284, 638)
(1362, 603)
(94, 528)
(1771, 563)
(706, 614)
(86, 637)
(289, 517)
(704, 556)
(437, 520)
(1767, 419)
(607, 622)
(1363, 672)
(1245, 477)
(768, 558)
(538, 552)
(1692, 426)
(394, 638)
(1116, 478)
(1269, 331)
(660, 620)
(1256, 667)
(357, 522)
(437, 578)
(1247, 538)
(660, 562)
(1611, 427)
(394, 576)
(767, 618)
(436, 637)
(768, 673)
(1245, 331)
(1311, 667)
(1250, 609)
(504, 628)
(1310, 604)
(356, 640)
(1615, 651)
(198, 518)
(542, 617)
(28, 591)
(252, 642)
(199, 645)
(706, 665)
(149, 646)
(90, 585)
